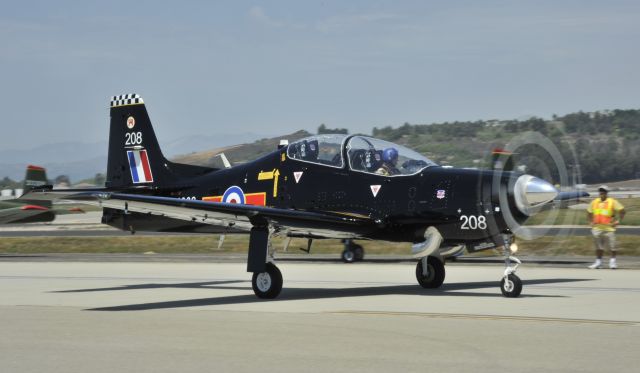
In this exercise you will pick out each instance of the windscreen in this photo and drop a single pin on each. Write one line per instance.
(375, 156)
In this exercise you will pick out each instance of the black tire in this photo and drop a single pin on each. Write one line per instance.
(348, 256)
(435, 275)
(512, 287)
(358, 251)
(268, 284)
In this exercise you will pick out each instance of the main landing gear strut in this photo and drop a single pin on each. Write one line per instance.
(267, 278)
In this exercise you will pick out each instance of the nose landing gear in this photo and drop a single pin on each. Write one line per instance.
(510, 284)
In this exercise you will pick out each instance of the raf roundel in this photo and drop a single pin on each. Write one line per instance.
(131, 122)
(233, 194)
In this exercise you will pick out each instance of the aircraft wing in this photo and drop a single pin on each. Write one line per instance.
(297, 223)
(25, 214)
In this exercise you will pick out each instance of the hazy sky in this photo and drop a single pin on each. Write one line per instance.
(207, 67)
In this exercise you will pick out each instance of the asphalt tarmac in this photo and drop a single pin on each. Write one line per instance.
(194, 316)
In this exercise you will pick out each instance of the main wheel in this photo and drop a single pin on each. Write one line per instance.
(358, 251)
(511, 286)
(348, 256)
(435, 273)
(268, 284)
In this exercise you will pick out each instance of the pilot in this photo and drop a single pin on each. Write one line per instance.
(389, 161)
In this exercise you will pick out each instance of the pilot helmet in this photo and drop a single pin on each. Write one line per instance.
(390, 155)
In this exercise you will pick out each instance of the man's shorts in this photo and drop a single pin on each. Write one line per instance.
(604, 240)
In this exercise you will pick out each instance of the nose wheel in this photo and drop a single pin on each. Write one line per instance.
(510, 284)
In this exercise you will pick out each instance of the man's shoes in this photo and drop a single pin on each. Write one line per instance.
(612, 263)
(597, 264)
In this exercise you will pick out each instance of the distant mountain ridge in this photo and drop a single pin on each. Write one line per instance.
(238, 153)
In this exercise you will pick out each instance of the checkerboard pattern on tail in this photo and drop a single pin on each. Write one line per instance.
(128, 99)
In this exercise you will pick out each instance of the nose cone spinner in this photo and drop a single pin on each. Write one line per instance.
(532, 192)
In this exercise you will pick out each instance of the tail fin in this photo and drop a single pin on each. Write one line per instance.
(135, 158)
(35, 177)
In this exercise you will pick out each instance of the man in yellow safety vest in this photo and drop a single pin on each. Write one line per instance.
(604, 214)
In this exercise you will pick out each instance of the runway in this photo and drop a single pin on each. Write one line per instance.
(154, 316)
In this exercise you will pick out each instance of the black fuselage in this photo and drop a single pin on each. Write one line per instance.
(464, 205)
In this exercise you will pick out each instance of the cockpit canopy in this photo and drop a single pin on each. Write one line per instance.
(321, 149)
(364, 154)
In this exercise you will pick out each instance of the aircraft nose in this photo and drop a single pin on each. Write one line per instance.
(532, 192)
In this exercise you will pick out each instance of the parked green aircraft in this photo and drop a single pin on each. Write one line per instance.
(18, 211)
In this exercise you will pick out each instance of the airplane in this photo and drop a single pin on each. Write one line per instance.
(326, 186)
(16, 211)
(23, 210)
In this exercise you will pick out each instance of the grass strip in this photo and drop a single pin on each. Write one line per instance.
(545, 246)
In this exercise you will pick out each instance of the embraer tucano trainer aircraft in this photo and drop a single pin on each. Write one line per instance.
(18, 211)
(25, 210)
(325, 186)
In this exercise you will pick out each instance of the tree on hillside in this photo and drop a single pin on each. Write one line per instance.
(99, 179)
(7, 183)
(324, 130)
(62, 180)
(606, 143)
